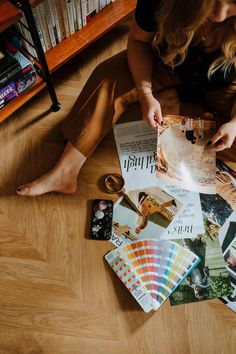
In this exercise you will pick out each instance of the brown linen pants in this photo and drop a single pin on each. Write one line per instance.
(110, 90)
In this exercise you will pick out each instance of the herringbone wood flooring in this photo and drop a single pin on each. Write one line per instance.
(57, 295)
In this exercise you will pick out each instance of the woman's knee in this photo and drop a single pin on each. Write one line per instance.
(111, 67)
(222, 101)
(169, 100)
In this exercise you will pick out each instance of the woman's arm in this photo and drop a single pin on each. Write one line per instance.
(140, 60)
(226, 134)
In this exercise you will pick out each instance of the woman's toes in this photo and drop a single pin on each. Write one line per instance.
(23, 190)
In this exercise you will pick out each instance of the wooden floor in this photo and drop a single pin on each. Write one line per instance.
(57, 295)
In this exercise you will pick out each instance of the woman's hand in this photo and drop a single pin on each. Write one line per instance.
(151, 110)
(225, 136)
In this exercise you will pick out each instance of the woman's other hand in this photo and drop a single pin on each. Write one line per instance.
(224, 137)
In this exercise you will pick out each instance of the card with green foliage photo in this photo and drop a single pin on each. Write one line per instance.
(210, 279)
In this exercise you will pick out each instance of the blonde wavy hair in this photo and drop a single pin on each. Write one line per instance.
(177, 23)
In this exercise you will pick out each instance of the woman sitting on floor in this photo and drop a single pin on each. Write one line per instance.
(180, 59)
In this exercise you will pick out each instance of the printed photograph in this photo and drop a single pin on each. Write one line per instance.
(215, 208)
(183, 158)
(230, 301)
(229, 250)
(157, 210)
(226, 183)
(210, 279)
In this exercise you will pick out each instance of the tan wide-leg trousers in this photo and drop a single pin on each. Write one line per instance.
(108, 93)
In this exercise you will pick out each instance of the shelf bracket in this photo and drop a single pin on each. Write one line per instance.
(26, 8)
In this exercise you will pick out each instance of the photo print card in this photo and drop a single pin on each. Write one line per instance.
(158, 210)
(183, 158)
(226, 183)
(230, 301)
(210, 278)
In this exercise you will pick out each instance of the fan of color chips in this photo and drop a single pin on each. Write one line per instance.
(152, 269)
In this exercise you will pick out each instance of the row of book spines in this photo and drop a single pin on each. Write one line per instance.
(16, 86)
(16, 75)
(58, 19)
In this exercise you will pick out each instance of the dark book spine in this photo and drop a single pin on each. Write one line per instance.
(7, 94)
(10, 75)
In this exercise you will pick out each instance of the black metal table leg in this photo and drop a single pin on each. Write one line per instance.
(39, 49)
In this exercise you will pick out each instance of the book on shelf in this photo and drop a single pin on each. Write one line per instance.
(102, 4)
(60, 19)
(89, 8)
(54, 20)
(63, 4)
(50, 22)
(7, 93)
(70, 13)
(78, 14)
(83, 12)
(23, 75)
(28, 76)
(27, 39)
(74, 16)
(43, 25)
(9, 68)
(40, 33)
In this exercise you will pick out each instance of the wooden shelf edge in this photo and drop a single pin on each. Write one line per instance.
(24, 97)
(100, 24)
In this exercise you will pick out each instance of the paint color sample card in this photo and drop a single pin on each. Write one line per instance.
(152, 269)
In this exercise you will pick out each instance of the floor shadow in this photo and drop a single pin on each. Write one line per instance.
(35, 162)
(127, 302)
(35, 120)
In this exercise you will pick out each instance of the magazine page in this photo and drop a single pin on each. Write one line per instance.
(189, 221)
(136, 145)
(183, 158)
(210, 279)
(227, 238)
(158, 210)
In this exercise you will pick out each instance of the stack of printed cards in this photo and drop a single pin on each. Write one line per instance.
(152, 269)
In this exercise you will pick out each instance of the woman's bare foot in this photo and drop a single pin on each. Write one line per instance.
(62, 178)
(53, 181)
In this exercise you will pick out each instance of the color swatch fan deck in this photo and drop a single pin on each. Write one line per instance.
(152, 269)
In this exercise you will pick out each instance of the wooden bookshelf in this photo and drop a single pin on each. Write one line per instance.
(101, 23)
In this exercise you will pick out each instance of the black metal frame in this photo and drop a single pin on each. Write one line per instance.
(44, 71)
